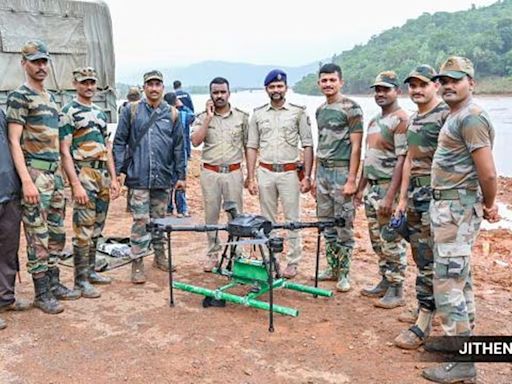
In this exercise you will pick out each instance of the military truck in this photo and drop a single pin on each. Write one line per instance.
(78, 33)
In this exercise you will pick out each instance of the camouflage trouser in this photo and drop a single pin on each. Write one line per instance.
(146, 204)
(218, 188)
(455, 226)
(332, 203)
(392, 256)
(282, 186)
(89, 219)
(418, 220)
(44, 222)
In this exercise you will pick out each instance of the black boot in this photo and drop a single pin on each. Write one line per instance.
(95, 277)
(82, 285)
(44, 299)
(378, 291)
(59, 290)
(393, 298)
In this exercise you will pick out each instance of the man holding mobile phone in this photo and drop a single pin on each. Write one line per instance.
(222, 129)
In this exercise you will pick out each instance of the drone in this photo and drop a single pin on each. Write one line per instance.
(261, 273)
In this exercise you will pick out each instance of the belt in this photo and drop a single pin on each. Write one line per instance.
(420, 181)
(454, 194)
(279, 167)
(379, 181)
(224, 168)
(333, 163)
(43, 165)
(96, 164)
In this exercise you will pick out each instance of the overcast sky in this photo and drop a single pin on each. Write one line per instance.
(277, 32)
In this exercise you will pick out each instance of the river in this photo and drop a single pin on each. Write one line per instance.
(498, 107)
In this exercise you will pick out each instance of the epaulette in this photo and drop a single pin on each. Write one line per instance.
(239, 110)
(261, 107)
(298, 106)
(202, 113)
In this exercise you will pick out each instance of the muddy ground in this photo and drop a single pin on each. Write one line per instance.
(131, 335)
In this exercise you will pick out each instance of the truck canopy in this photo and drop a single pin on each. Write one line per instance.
(78, 33)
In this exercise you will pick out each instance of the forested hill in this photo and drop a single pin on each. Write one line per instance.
(482, 34)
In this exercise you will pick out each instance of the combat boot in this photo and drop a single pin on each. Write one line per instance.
(138, 276)
(59, 291)
(327, 274)
(93, 276)
(44, 299)
(3, 324)
(161, 262)
(393, 298)
(82, 284)
(343, 284)
(448, 373)
(378, 291)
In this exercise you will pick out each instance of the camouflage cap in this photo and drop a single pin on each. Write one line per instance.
(153, 75)
(424, 72)
(35, 50)
(456, 67)
(84, 73)
(387, 79)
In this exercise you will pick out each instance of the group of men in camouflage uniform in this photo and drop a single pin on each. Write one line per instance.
(40, 136)
(435, 167)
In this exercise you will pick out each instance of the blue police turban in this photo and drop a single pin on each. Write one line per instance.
(275, 75)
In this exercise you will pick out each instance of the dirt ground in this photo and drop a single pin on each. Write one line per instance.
(131, 335)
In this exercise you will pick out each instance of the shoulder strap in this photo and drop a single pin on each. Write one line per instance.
(144, 129)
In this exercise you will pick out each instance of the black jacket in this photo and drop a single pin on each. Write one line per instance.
(10, 186)
(159, 154)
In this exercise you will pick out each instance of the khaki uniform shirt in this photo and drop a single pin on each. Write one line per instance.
(226, 137)
(276, 132)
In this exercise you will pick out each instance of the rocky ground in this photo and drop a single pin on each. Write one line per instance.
(131, 335)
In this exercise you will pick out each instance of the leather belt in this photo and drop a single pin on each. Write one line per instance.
(224, 168)
(279, 167)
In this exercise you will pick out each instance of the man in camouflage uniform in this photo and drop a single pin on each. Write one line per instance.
(153, 134)
(464, 184)
(386, 147)
(222, 129)
(275, 129)
(416, 194)
(33, 120)
(87, 161)
(340, 133)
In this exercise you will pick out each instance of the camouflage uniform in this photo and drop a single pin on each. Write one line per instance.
(456, 213)
(422, 136)
(336, 122)
(223, 147)
(43, 222)
(85, 127)
(379, 164)
(276, 132)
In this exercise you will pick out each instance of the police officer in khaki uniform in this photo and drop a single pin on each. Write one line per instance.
(275, 130)
(222, 130)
